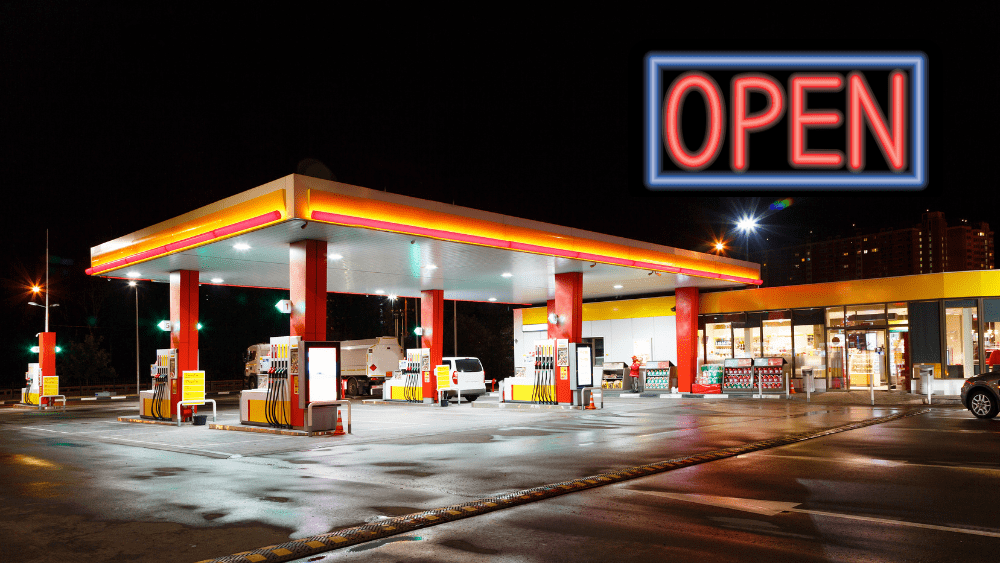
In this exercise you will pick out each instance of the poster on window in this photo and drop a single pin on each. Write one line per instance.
(643, 349)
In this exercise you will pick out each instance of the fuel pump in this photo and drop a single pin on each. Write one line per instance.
(552, 365)
(156, 402)
(270, 403)
(409, 386)
(32, 385)
(543, 388)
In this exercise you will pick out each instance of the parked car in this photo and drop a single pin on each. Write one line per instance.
(467, 376)
(981, 394)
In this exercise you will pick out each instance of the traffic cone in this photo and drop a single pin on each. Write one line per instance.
(339, 431)
(591, 406)
(791, 387)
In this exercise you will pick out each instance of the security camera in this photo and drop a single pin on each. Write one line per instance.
(673, 309)
(304, 224)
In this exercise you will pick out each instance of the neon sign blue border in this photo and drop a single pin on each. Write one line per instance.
(657, 179)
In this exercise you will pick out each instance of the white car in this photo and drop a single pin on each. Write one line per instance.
(467, 376)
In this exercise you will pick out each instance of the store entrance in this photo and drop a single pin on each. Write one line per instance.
(866, 359)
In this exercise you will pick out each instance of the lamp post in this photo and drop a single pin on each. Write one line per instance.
(135, 286)
(747, 224)
(37, 289)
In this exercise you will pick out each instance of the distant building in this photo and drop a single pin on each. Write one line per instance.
(932, 246)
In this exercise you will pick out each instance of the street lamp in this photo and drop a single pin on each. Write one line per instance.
(747, 224)
(37, 289)
(135, 286)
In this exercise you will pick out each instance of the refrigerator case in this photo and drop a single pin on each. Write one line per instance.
(771, 372)
(659, 376)
(737, 375)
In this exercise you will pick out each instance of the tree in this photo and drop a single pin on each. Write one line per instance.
(87, 363)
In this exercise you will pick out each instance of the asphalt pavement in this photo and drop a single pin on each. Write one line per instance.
(82, 484)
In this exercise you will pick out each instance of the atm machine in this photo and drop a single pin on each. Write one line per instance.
(555, 364)
(408, 383)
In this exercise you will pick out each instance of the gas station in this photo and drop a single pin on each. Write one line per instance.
(313, 236)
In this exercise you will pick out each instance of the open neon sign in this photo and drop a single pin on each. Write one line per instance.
(898, 127)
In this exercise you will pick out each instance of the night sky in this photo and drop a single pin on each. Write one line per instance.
(117, 117)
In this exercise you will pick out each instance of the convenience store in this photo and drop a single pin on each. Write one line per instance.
(846, 335)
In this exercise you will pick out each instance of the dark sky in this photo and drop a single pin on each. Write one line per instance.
(115, 117)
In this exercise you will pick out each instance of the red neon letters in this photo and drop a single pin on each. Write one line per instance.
(861, 108)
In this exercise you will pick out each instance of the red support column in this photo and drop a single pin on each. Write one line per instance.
(183, 328)
(432, 321)
(569, 311)
(687, 337)
(46, 358)
(307, 281)
(307, 292)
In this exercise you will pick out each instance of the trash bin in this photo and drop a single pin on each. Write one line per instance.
(200, 419)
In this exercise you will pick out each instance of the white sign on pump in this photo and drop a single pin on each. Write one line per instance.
(323, 374)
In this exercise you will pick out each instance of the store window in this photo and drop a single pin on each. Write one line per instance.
(718, 342)
(776, 329)
(961, 338)
(834, 317)
(837, 359)
(752, 335)
(896, 314)
(810, 346)
(865, 315)
(991, 331)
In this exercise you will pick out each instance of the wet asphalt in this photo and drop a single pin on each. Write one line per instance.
(80, 483)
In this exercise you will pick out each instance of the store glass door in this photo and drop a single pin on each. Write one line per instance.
(866, 359)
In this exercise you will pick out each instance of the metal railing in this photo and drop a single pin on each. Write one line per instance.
(122, 388)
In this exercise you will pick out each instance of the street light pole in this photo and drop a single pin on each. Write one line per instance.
(46, 280)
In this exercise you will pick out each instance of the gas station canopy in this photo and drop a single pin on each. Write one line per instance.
(382, 243)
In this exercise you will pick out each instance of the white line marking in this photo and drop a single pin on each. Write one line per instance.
(88, 398)
(774, 508)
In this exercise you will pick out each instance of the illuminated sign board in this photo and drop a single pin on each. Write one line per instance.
(729, 121)
(322, 370)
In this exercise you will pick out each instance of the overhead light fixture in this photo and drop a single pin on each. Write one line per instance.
(506, 274)
(392, 297)
(133, 274)
(217, 280)
(619, 286)
(131, 283)
(492, 299)
(335, 257)
(241, 246)
(380, 291)
(431, 267)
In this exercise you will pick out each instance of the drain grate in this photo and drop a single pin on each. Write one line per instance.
(305, 547)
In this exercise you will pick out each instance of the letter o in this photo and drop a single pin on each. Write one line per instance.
(716, 117)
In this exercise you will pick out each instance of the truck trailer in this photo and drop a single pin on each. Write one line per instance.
(364, 364)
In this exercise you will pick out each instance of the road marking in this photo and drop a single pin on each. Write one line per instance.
(868, 461)
(162, 444)
(773, 508)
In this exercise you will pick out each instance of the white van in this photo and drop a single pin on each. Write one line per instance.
(467, 376)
